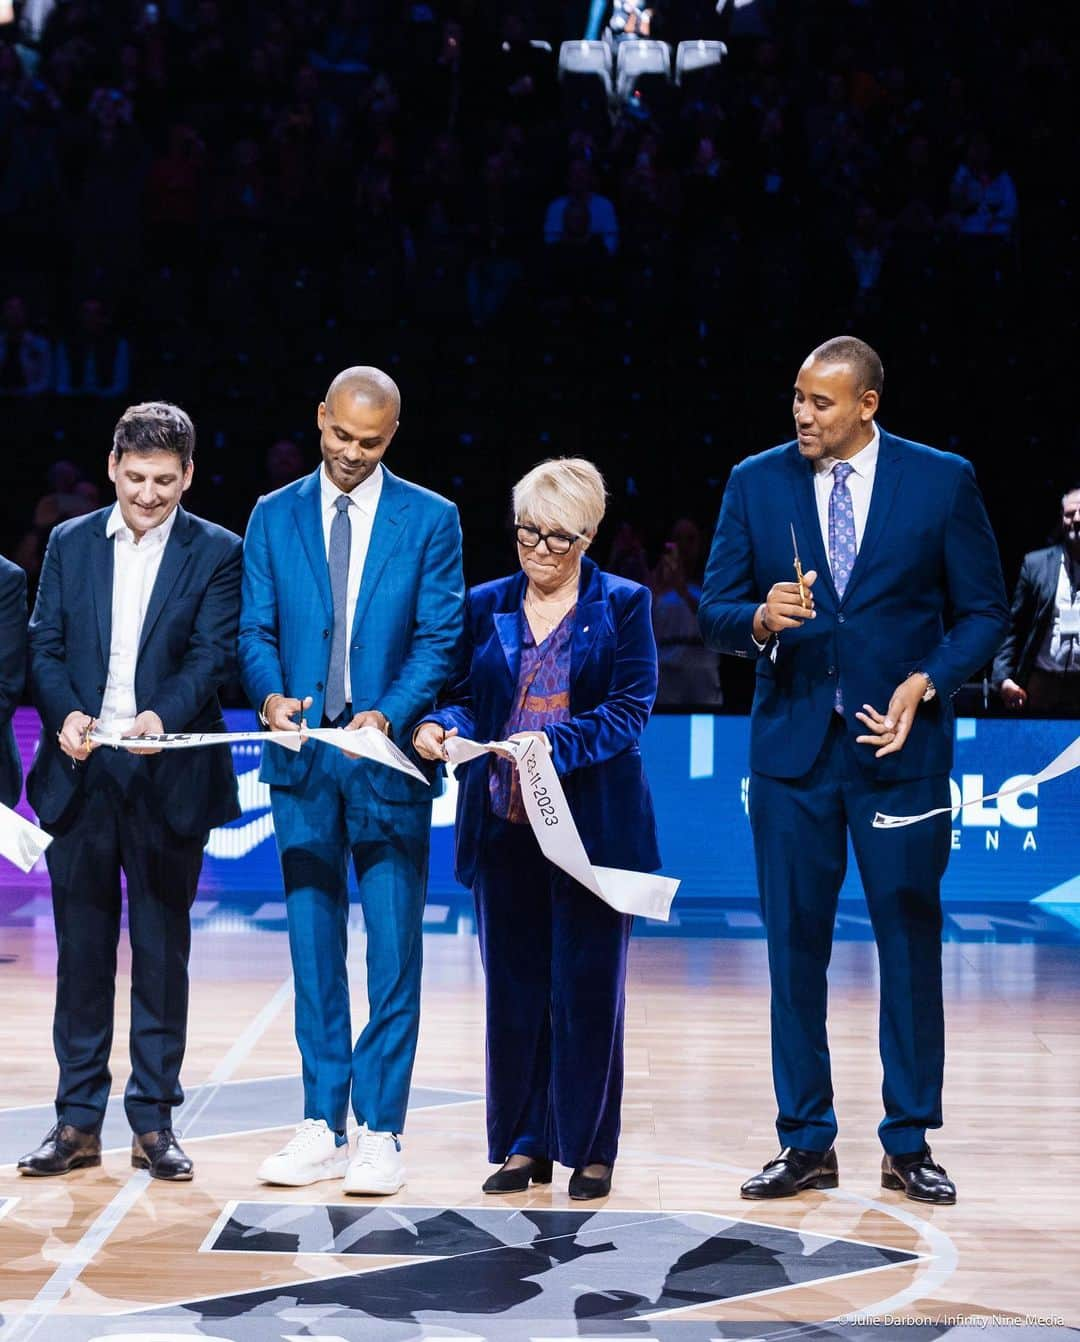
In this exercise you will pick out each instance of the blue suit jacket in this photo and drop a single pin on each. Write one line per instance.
(12, 674)
(186, 652)
(926, 593)
(406, 626)
(612, 688)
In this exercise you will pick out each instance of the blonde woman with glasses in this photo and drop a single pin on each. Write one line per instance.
(565, 652)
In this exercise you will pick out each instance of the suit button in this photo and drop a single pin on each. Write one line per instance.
(840, 619)
(101, 689)
(831, 672)
(326, 633)
(318, 685)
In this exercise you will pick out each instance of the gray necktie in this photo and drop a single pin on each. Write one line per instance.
(338, 558)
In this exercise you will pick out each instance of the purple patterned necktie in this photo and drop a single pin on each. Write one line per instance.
(841, 541)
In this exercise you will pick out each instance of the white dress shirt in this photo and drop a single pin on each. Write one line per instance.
(860, 483)
(1061, 647)
(365, 500)
(135, 570)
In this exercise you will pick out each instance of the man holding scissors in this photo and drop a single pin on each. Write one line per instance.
(857, 661)
(134, 629)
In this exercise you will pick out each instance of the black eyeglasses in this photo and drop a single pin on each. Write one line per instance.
(558, 542)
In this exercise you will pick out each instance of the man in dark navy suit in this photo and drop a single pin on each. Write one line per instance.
(1037, 668)
(904, 599)
(12, 674)
(134, 628)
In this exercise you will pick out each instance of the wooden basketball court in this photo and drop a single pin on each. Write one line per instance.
(673, 1252)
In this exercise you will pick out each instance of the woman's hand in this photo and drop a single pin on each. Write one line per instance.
(525, 737)
(429, 740)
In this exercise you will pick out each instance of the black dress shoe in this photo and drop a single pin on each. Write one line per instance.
(161, 1154)
(583, 1187)
(792, 1171)
(918, 1176)
(517, 1178)
(65, 1148)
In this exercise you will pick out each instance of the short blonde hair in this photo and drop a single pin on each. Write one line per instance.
(567, 493)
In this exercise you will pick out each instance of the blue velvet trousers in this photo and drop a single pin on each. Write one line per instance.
(555, 965)
(801, 829)
(319, 825)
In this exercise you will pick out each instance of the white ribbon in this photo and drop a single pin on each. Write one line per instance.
(632, 892)
(1064, 763)
(20, 841)
(364, 743)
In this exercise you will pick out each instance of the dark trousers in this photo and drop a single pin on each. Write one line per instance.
(555, 964)
(801, 829)
(1053, 693)
(119, 828)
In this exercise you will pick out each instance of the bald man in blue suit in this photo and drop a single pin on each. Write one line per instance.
(903, 600)
(353, 600)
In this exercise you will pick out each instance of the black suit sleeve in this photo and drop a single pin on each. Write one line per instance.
(210, 658)
(12, 639)
(51, 687)
(1025, 604)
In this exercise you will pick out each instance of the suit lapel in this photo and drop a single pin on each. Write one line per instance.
(887, 475)
(588, 618)
(307, 513)
(807, 523)
(101, 582)
(508, 631)
(173, 561)
(1052, 574)
(387, 529)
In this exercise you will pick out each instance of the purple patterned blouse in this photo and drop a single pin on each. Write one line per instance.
(542, 696)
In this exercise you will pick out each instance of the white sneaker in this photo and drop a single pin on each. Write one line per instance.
(310, 1154)
(376, 1167)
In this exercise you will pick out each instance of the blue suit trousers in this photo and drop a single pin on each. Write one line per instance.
(801, 828)
(319, 825)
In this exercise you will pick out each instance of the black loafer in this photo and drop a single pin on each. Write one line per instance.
(583, 1187)
(517, 1179)
(791, 1172)
(64, 1149)
(161, 1154)
(918, 1176)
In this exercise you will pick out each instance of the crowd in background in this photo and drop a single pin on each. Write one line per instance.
(221, 204)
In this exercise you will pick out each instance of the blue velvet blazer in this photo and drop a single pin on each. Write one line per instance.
(612, 688)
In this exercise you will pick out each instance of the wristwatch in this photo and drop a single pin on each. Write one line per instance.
(931, 688)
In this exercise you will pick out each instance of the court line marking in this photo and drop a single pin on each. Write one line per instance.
(255, 1132)
(943, 1259)
(119, 1094)
(6, 1204)
(24, 1325)
(653, 1214)
(356, 1272)
(638, 1218)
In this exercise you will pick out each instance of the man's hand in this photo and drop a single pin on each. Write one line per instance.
(146, 724)
(783, 608)
(371, 717)
(429, 740)
(73, 735)
(280, 712)
(891, 731)
(1013, 695)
